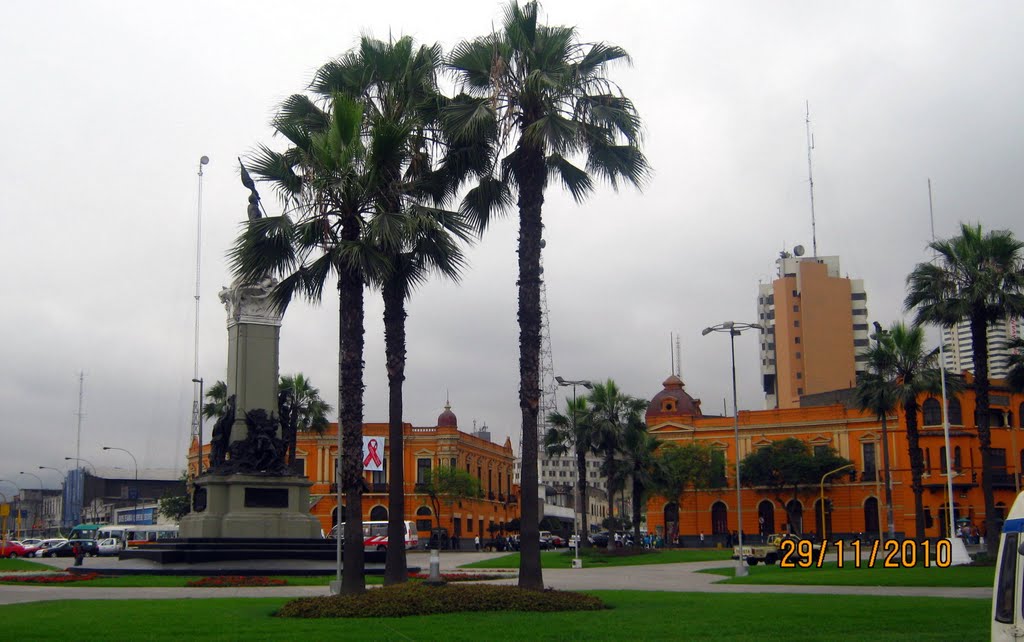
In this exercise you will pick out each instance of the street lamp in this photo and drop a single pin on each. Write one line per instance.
(579, 505)
(824, 532)
(85, 461)
(735, 329)
(200, 409)
(135, 515)
(40, 510)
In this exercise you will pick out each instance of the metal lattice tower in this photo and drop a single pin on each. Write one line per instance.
(548, 385)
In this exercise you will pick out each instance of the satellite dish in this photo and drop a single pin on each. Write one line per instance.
(798, 250)
(204, 160)
(543, 243)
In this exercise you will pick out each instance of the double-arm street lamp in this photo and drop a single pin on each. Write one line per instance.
(735, 329)
(135, 515)
(580, 504)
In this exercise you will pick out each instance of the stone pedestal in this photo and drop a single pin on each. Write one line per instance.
(252, 506)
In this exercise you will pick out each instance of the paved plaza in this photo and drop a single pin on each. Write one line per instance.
(653, 577)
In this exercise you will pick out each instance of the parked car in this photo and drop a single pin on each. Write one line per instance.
(600, 539)
(31, 542)
(109, 546)
(12, 548)
(66, 548)
(574, 541)
(48, 543)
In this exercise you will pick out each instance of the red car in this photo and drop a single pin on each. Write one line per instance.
(12, 548)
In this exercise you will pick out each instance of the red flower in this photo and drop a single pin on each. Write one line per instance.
(49, 579)
(236, 581)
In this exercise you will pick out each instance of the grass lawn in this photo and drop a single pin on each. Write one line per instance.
(600, 557)
(22, 565)
(126, 581)
(635, 615)
(830, 574)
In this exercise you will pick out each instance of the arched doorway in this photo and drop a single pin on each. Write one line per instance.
(871, 523)
(378, 514)
(719, 519)
(671, 521)
(765, 518)
(817, 519)
(795, 513)
(334, 515)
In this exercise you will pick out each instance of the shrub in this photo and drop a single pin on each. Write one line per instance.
(236, 580)
(419, 599)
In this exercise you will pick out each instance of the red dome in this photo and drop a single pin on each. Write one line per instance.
(447, 418)
(673, 401)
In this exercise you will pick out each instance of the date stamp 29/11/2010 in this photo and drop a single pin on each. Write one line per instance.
(888, 554)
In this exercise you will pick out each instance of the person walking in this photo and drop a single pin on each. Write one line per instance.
(76, 550)
(476, 543)
(702, 539)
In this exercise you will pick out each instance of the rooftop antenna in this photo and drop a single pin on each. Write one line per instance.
(810, 177)
(81, 397)
(671, 355)
(679, 359)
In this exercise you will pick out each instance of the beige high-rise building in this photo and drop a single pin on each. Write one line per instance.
(960, 351)
(816, 329)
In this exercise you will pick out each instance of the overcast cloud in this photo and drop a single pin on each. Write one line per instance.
(109, 105)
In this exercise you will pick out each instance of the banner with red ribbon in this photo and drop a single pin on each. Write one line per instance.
(373, 453)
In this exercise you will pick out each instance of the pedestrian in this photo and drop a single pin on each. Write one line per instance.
(76, 550)
(728, 539)
(455, 542)
(702, 539)
(476, 542)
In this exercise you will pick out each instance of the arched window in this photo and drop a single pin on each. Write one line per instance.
(671, 521)
(378, 514)
(719, 519)
(931, 410)
(423, 521)
(795, 512)
(766, 518)
(956, 415)
(871, 517)
(956, 458)
(423, 511)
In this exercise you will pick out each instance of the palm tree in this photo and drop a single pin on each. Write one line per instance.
(1015, 377)
(913, 371)
(612, 411)
(574, 432)
(549, 95)
(218, 401)
(639, 448)
(876, 393)
(326, 180)
(977, 277)
(397, 84)
(301, 409)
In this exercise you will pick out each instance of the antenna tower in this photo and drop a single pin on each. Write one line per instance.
(679, 359)
(80, 414)
(810, 176)
(197, 402)
(548, 385)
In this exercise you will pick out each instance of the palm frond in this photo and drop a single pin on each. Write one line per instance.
(489, 199)
(576, 180)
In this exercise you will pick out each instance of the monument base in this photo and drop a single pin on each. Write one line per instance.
(251, 507)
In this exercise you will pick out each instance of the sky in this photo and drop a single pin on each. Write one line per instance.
(109, 106)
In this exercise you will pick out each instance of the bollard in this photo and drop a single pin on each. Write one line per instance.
(435, 568)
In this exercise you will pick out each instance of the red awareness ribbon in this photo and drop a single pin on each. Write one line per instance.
(371, 446)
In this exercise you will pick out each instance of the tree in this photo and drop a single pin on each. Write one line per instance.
(301, 408)
(1015, 377)
(612, 411)
(979, 278)
(550, 95)
(677, 466)
(174, 507)
(912, 371)
(788, 466)
(218, 400)
(447, 485)
(638, 447)
(876, 393)
(326, 178)
(574, 432)
(422, 164)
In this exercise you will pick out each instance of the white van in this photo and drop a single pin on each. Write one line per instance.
(1007, 590)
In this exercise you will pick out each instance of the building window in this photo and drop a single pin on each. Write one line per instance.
(796, 323)
(869, 460)
(422, 470)
(380, 476)
(799, 391)
(860, 313)
(423, 521)
(299, 467)
(861, 343)
(860, 326)
(798, 355)
(796, 308)
(956, 459)
(799, 375)
(931, 411)
(859, 296)
(928, 460)
(942, 459)
(795, 293)
(796, 339)
(997, 460)
(820, 450)
(954, 411)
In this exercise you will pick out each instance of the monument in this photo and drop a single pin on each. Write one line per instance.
(248, 490)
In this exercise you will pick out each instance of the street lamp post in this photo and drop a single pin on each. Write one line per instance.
(735, 329)
(199, 470)
(40, 509)
(135, 515)
(824, 532)
(579, 504)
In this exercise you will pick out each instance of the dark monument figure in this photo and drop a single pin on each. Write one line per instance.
(261, 452)
(254, 197)
(222, 434)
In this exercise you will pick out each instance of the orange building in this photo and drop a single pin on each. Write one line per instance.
(858, 498)
(426, 447)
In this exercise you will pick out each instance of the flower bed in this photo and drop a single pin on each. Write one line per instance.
(461, 577)
(236, 581)
(49, 579)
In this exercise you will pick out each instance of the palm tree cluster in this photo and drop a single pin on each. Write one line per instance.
(375, 157)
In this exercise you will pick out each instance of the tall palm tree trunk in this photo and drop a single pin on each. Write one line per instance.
(531, 198)
(394, 342)
(609, 461)
(979, 342)
(350, 413)
(916, 467)
(638, 492)
(581, 494)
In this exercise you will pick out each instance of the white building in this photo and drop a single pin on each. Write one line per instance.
(960, 353)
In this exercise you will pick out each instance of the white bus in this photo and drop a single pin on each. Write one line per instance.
(1007, 589)
(375, 535)
(134, 535)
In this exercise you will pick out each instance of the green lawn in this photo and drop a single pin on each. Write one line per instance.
(22, 565)
(830, 574)
(635, 615)
(600, 557)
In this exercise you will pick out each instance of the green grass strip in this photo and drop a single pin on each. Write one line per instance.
(830, 575)
(636, 615)
(23, 565)
(600, 558)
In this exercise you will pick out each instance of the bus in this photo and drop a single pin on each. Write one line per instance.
(1007, 616)
(84, 531)
(375, 535)
(135, 535)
